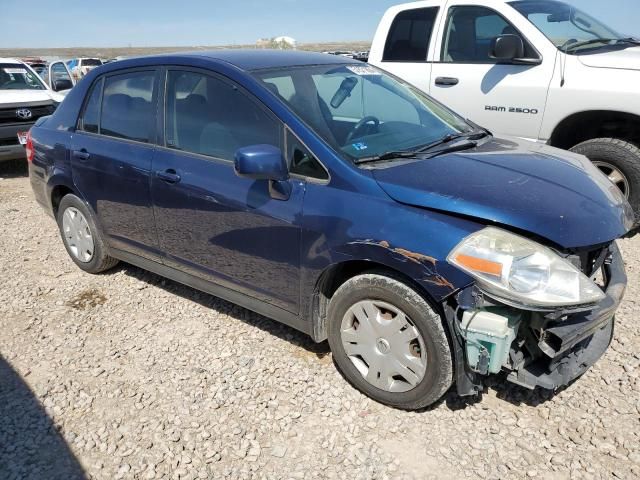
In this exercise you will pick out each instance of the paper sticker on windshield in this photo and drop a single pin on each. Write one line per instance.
(359, 146)
(12, 71)
(363, 70)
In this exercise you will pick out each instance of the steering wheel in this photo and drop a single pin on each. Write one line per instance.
(358, 126)
(568, 42)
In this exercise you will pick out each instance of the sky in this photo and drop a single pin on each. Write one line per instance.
(144, 23)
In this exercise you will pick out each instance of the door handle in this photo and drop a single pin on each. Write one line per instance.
(447, 81)
(81, 154)
(169, 176)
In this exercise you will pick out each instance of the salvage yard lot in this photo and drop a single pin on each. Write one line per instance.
(128, 375)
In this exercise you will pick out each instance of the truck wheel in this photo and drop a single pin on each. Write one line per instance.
(618, 160)
(81, 237)
(388, 342)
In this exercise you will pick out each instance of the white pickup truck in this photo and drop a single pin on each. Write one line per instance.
(538, 69)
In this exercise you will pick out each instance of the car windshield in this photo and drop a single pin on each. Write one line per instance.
(570, 29)
(18, 77)
(360, 110)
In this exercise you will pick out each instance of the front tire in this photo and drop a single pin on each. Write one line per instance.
(81, 237)
(388, 342)
(618, 160)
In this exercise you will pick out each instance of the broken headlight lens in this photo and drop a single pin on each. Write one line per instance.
(521, 271)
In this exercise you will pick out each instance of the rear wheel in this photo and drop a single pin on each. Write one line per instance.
(619, 161)
(388, 342)
(81, 237)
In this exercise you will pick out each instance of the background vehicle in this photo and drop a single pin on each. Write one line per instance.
(317, 190)
(79, 67)
(24, 98)
(536, 69)
(56, 75)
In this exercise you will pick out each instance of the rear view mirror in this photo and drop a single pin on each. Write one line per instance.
(62, 84)
(346, 87)
(261, 162)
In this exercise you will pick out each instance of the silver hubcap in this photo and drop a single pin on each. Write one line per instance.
(384, 345)
(616, 176)
(77, 234)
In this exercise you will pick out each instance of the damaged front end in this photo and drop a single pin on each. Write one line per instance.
(536, 346)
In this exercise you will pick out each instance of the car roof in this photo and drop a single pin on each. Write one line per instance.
(261, 58)
(11, 61)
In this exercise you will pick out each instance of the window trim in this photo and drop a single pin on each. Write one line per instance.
(162, 140)
(489, 61)
(429, 40)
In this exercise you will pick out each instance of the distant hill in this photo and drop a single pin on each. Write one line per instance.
(106, 53)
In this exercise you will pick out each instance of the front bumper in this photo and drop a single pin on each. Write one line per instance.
(572, 344)
(10, 148)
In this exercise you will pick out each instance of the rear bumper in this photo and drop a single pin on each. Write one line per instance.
(570, 346)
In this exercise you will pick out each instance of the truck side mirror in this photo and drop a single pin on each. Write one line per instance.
(507, 47)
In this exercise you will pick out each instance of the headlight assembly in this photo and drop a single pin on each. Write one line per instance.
(521, 271)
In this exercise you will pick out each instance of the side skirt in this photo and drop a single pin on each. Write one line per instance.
(214, 289)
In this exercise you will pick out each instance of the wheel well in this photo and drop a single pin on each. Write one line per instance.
(584, 126)
(336, 275)
(57, 194)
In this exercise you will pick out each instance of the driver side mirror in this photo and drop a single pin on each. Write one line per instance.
(510, 48)
(62, 84)
(261, 162)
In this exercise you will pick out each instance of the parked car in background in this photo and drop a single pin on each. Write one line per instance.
(324, 193)
(24, 98)
(537, 69)
(56, 75)
(79, 67)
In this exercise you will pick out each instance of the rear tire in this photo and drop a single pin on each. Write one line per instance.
(416, 358)
(81, 237)
(620, 161)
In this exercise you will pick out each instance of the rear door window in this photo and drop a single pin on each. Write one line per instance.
(91, 116)
(128, 106)
(410, 35)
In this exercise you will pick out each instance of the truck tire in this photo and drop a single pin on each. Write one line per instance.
(618, 160)
(388, 342)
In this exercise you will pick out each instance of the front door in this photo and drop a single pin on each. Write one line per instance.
(111, 154)
(212, 223)
(506, 98)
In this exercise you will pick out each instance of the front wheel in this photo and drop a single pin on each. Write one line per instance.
(389, 342)
(619, 161)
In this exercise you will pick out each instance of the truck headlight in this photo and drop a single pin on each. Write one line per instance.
(521, 271)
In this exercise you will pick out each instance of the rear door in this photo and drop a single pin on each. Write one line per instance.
(211, 223)
(504, 97)
(111, 155)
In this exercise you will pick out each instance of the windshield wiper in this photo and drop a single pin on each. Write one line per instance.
(571, 47)
(632, 40)
(450, 137)
(457, 147)
(391, 155)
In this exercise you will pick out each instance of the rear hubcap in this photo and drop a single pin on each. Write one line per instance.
(77, 234)
(384, 345)
(615, 176)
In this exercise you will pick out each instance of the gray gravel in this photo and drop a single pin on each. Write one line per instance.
(128, 375)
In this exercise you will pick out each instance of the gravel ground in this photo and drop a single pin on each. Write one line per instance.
(128, 375)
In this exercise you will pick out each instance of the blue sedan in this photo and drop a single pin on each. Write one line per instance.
(331, 196)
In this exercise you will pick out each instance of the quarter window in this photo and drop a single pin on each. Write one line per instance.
(471, 30)
(409, 35)
(301, 160)
(211, 117)
(128, 106)
(91, 116)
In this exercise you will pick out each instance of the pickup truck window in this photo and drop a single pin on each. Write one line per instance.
(410, 35)
(470, 31)
(564, 24)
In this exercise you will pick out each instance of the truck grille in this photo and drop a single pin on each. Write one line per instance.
(11, 116)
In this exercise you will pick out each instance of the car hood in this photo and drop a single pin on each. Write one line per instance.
(554, 194)
(627, 59)
(11, 98)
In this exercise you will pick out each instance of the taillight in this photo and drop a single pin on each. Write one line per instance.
(29, 148)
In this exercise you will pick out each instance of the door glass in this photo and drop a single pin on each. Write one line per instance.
(58, 72)
(470, 32)
(208, 116)
(409, 35)
(91, 115)
(127, 106)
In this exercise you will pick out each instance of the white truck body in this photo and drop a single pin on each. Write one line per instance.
(563, 99)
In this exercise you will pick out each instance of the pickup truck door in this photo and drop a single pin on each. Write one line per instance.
(507, 98)
(59, 71)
